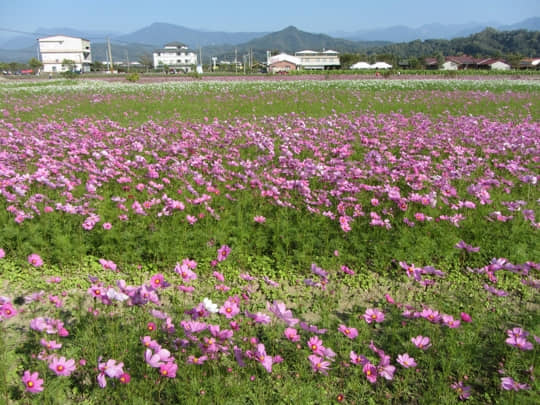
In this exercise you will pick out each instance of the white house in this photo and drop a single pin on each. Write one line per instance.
(282, 62)
(176, 56)
(56, 49)
(493, 64)
(318, 60)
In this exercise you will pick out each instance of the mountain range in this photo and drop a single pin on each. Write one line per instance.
(227, 45)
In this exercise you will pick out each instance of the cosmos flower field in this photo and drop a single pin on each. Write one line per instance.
(354, 241)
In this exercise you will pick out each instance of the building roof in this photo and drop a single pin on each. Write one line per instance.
(283, 57)
(306, 52)
(50, 37)
(461, 60)
(490, 61)
(175, 44)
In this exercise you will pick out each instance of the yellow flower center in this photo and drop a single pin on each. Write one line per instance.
(30, 384)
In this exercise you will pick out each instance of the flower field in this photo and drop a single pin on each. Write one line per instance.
(354, 241)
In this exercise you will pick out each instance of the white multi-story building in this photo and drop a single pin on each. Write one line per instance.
(318, 60)
(176, 56)
(56, 50)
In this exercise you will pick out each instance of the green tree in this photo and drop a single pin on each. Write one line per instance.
(35, 64)
(68, 64)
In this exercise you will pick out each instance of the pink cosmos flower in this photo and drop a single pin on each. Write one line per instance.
(107, 264)
(358, 359)
(508, 384)
(158, 281)
(421, 342)
(318, 364)
(405, 360)
(519, 342)
(32, 382)
(7, 310)
(351, 333)
(259, 219)
(464, 391)
(168, 369)
(279, 309)
(373, 315)
(291, 334)
(229, 309)
(2, 253)
(107, 226)
(316, 345)
(197, 360)
(370, 371)
(111, 368)
(185, 271)
(223, 252)
(219, 276)
(62, 367)
(261, 356)
(51, 345)
(35, 260)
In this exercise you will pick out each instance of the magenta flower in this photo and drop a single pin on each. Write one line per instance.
(32, 382)
(465, 317)
(373, 315)
(62, 367)
(219, 276)
(2, 253)
(125, 378)
(370, 371)
(421, 342)
(223, 252)
(7, 310)
(351, 333)
(259, 219)
(405, 360)
(158, 281)
(35, 260)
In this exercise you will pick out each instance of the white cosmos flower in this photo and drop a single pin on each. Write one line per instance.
(210, 306)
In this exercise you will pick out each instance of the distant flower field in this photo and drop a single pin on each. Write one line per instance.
(257, 242)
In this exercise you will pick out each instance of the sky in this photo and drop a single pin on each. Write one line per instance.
(257, 16)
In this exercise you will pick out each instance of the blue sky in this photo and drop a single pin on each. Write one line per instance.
(252, 15)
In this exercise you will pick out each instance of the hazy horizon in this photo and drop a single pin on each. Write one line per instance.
(241, 16)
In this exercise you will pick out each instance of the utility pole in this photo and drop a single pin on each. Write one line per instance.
(235, 63)
(127, 59)
(110, 55)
